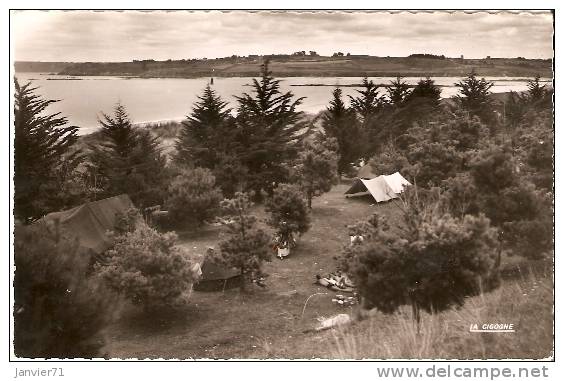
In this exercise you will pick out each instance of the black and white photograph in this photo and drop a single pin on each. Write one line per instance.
(282, 185)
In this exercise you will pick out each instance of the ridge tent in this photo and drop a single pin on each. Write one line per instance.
(396, 181)
(215, 277)
(382, 188)
(89, 222)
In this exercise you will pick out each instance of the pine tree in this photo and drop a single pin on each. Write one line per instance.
(340, 123)
(129, 160)
(316, 168)
(538, 95)
(193, 197)
(118, 131)
(147, 182)
(475, 97)
(368, 103)
(522, 214)
(398, 91)
(148, 268)
(288, 211)
(204, 134)
(43, 144)
(425, 91)
(245, 247)
(535, 91)
(418, 106)
(267, 123)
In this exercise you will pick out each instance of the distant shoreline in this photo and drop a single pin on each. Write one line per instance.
(288, 66)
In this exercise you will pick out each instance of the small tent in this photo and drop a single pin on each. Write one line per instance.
(215, 277)
(381, 188)
(90, 222)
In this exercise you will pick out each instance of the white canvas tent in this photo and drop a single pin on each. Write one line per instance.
(382, 188)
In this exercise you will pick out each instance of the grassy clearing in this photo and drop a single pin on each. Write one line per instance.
(270, 323)
(526, 303)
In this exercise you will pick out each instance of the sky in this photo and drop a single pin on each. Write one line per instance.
(123, 36)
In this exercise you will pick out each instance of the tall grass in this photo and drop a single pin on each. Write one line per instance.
(527, 303)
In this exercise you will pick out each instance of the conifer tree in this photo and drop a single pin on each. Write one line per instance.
(398, 91)
(43, 144)
(316, 168)
(129, 160)
(425, 91)
(340, 123)
(193, 197)
(267, 124)
(288, 211)
(535, 91)
(474, 97)
(368, 103)
(245, 247)
(538, 96)
(204, 134)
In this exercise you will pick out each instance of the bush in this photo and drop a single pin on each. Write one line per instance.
(432, 264)
(245, 247)
(523, 214)
(148, 269)
(193, 197)
(316, 169)
(59, 311)
(289, 213)
(127, 222)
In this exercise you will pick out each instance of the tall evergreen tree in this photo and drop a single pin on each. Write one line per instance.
(418, 107)
(118, 131)
(398, 91)
(129, 160)
(43, 144)
(538, 96)
(474, 97)
(340, 123)
(368, 103)
(267, 123)
(535, 91)
(202, 138)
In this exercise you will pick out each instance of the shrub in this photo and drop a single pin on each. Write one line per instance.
(316, 169)
(59, 311)
(127, 222)
(523, 214)
(193, 197)
(289, 213)
(148, 269)
(245, 247)
(432, 264)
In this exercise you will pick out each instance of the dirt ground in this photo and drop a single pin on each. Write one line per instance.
(233, 325)
(271, 322)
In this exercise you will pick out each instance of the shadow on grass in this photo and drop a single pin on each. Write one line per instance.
(140, 321)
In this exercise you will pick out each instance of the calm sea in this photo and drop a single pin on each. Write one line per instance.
(161, 99)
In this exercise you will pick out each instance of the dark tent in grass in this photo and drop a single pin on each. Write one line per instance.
(90, 222)
(217, 278)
